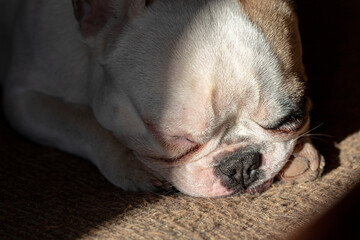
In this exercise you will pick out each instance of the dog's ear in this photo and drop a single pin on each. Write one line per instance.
(93, 15)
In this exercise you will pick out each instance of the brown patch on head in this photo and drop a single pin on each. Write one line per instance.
(278, 22)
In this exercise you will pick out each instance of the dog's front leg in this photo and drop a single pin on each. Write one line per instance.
(306, 164)
(73, 128)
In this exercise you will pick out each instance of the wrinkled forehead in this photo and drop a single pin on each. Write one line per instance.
(227, 57)
(230, 61)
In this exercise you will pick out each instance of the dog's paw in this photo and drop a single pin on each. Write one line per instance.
(306, 164)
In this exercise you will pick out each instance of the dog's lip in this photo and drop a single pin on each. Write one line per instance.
(260, 188)
(252, 190)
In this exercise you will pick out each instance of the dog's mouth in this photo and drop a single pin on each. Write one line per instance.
(260, 188)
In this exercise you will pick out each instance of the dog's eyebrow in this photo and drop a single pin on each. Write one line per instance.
(296, 116)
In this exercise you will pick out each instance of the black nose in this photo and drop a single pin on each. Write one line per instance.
(240, 168)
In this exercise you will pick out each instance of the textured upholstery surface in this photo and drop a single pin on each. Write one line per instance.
(48, 194)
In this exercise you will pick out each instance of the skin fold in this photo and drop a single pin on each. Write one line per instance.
(206, 96)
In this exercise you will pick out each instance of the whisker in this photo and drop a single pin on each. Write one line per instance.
(320, 135)
(307, 132)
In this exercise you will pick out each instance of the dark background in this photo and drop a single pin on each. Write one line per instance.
(331, 37)
(331, 42)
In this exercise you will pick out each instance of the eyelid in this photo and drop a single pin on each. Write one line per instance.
(189, 151)
(286, 126)
(184, 146)
(182, 138)
(295, 117)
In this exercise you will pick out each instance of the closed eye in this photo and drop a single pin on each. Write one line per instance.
(191, 150)
(182, 144)
(179, 147)
(182, 139)
(295, 118)
(290, 122)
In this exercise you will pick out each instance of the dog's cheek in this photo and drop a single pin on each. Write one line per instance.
(276, 157)
(204, 184)
(197, 179)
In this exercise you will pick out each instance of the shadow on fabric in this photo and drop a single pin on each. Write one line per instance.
(331, 49)
(45, 196)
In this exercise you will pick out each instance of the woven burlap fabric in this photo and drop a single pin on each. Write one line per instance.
(47, 194)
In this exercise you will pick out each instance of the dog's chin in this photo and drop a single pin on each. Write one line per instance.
(260, 188)
(221, 191)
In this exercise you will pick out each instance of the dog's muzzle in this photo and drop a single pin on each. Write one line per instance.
(238, 170)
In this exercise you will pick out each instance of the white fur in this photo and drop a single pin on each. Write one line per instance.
(186, 66)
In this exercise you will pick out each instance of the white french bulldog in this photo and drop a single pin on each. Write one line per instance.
(208, 96)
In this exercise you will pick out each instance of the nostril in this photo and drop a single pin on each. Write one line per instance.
(251, 172)
(252, 169)
(230, 168)
(241, 167)
(251, 160)
(232, 172)
(239, 170)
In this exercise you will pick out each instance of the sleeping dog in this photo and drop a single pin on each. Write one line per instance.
(208, 96)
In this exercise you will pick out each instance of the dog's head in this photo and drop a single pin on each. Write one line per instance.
(210, 95)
